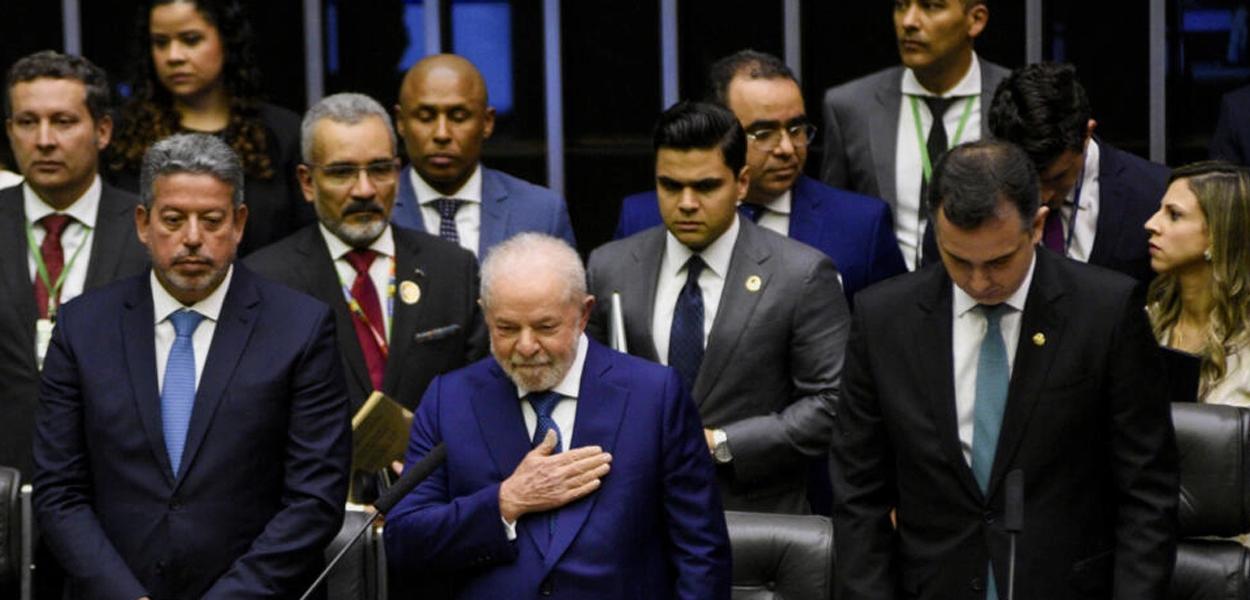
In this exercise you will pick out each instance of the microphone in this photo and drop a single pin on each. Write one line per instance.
(1013, 522)
(412, 476)
(616, 330)
(436, 334)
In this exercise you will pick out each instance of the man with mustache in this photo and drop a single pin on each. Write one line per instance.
(385, 283)
(881, 137)
(192, 438)
(573, 471)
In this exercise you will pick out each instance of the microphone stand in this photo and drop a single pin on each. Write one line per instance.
(1013, 523)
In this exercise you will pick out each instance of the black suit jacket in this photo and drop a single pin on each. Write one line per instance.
(1087, 421)
(447, 277)
(115, 253)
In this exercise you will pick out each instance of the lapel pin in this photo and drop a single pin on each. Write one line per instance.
(1039, 339)
(409, 292)
(753, 283)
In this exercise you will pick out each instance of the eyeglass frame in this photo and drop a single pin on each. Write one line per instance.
(791, 131)
(345, 179)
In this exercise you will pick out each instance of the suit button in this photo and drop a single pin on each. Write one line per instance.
(160, 567)
(545, 587)
(976, 584)
(175, 504)
(989, 518)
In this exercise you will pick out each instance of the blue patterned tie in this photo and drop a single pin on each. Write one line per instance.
(544, 403)
(685, 338)
(750, 211)
(993, 375)
(447, 208)
(178, 391)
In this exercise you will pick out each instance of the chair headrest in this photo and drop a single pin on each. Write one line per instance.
(1212, 441)
(781, 556)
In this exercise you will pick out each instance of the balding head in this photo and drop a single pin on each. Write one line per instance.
(444, 117)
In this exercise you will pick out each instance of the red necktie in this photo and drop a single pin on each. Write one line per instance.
(1052, 235)
(366, 296)
(53, 259)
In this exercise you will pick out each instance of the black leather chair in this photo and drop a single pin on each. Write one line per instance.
(781, 557)
(1212, 441)
(361, 574)
(10, 531)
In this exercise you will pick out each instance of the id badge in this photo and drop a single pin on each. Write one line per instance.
(43, 338)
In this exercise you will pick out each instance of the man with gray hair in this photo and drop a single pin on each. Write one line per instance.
(192, 434)
(574, 471)
(387, 284)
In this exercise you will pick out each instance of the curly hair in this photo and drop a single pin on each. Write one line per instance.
(150, 114)
(1223, 192)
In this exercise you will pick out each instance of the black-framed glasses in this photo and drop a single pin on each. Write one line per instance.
(378, 171)
(801, 134)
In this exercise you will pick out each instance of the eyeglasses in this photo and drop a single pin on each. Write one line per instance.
(801, 135)
(378, 172)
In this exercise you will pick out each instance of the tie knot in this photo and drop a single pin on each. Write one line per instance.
(994, 313)
(361, 260)
(54, 224)
(185, 322)
(447, 207)
(544, 402)
(751, 211)
(938, 106)
(694, 268)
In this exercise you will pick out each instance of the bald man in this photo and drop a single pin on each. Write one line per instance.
(444, 116)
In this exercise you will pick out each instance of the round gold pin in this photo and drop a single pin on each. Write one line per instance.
(753, 283)
(1039, 339)
(409, 292)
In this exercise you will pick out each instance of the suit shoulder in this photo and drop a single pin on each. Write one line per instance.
(1094, 284)
(613, 250)
(520, 188)
(844, 199)
(793, 252)
(640, 199)
(104, 300)
(891, 296)
(113, 196)
(852, 92)
(442, 250)
(277, 117)
(278, 298)
(276, 258)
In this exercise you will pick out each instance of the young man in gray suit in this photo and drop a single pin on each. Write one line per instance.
(754, 322)
(880, 135)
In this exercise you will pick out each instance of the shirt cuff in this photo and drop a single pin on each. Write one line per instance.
(509, 529)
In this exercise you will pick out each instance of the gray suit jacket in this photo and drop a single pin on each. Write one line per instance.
(773, 359)
(861, 129)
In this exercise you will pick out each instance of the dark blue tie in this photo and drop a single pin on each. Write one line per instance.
(447, 209)
(993, 376)
(750, 211)
(685, 338)
(544, 403)
(178, 391)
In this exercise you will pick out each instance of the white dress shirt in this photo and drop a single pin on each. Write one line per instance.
(77, 233)
(776, 214)
(164, 305)
(468, 218)
(672, 278)
(909, 213)
(1086, 223)
(564, 413)
(968, 329)
(379, 271)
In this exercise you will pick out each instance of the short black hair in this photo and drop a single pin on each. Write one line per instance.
(971, 179)
(702, 126)
(750, 63)
(1043, 109)
(54, 65)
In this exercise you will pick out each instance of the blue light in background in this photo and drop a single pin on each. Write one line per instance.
(481, 31)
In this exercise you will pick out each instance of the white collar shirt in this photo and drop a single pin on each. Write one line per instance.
(468, 218)
(379, 272)
(716, 256)
(1084, 227)
(75, 240)
(163, 305)
(776, 214)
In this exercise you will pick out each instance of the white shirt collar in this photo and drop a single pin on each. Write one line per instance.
(965, 303)
(780, 204)
(471, 191)
(716, 255)
(1089, 173)
(970, 85)
(164, 304)
(83, 210)
(384, 244)
(571, 385)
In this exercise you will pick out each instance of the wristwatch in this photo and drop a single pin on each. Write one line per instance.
(720, 449)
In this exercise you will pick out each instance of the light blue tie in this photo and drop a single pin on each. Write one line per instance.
(993, 375)
(178, 391)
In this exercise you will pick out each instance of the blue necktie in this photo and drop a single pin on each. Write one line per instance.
(178, 391)
(544, 403)
(751, 211)
(993, 375)
(685, 338)
(447, 208)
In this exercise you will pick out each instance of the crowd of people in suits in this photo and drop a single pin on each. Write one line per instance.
(206, 287)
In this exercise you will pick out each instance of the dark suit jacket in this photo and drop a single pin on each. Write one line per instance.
(1087, 421)
(654, 529)
(264, 473)
(1231, 140)
(861, 130)
(115, 253)
(447, 277)
(773, 359)
(509, 206)
(856, 231)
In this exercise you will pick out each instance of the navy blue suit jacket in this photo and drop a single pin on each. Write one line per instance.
(509, 206)
(654, 529)
(264, 471)
(1231, 140)
(854, 230)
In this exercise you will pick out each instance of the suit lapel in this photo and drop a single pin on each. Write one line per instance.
(807, 221)
(494, 222)
(1111, 219)
(1043, 314)
(14, 270)
(113, 228)
(320, 272)
(502, 428)
(737, 305)
(406, 201)
(638, 298)
(406, 316)
(600, 407)
(883, 135)
(234, 329)
(139, 341)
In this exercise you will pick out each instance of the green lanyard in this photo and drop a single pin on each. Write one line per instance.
(920, 137)
(54, 290)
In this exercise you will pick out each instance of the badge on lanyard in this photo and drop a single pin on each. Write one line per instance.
(43, 338)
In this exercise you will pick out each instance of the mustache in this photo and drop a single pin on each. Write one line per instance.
(363, 207)
(535, 361)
